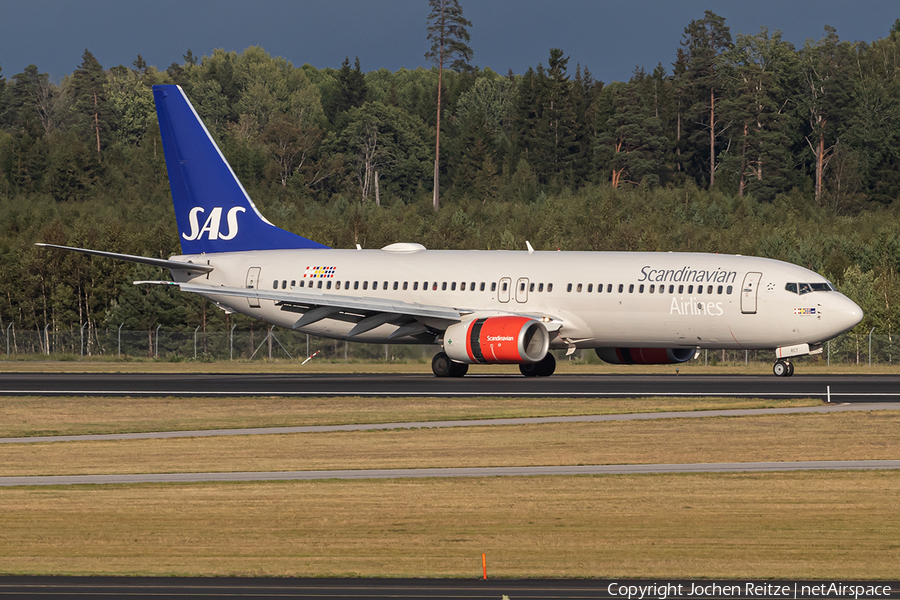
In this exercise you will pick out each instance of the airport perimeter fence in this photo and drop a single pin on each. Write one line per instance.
(276, 343)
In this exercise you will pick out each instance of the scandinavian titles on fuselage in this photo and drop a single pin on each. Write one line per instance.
(687, 275)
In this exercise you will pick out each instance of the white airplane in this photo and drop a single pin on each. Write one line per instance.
(480, 306)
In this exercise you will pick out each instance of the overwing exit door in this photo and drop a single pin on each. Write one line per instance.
(749, 293)
(252, 283)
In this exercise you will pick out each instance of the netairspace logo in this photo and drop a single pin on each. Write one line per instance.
(749, 589)
(212, 225)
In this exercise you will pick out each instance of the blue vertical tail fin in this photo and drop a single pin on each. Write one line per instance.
(213, 210)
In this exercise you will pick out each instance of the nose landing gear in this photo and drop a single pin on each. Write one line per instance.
(783, 368)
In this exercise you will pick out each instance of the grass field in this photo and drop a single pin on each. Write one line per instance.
(797, 525)
(40, 416)
(774, 525)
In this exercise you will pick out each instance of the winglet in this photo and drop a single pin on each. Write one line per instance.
(213, 210)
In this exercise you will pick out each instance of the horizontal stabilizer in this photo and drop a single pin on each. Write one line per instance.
(144, 260)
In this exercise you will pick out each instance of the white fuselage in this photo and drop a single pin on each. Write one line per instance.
(602, 299)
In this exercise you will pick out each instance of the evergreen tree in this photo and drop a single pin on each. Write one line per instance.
(704, 40)
(630, 143)
(353, 89)
(826, 68)
(91, 106)
(448, 35)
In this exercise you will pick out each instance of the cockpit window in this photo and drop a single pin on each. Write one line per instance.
(805, 288)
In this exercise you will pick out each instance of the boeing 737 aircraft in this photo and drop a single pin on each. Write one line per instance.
(480, 306)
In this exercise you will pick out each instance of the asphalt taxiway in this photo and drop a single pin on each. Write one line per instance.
(839, 388)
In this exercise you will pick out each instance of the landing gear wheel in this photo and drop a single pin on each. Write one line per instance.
(782, 368)
(790, 369)
(543, 368)
(442, 366)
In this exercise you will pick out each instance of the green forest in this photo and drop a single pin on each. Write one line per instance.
(738, 144)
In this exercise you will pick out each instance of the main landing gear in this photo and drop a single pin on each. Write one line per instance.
(542, 368)
(442, 366)
(783, 368)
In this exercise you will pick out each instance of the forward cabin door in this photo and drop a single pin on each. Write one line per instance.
(252, 284)
(749, 293)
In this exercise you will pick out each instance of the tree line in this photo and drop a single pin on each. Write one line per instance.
(744, 144)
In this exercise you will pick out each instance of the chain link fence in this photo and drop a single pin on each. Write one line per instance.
(175, 346)
(276, 343)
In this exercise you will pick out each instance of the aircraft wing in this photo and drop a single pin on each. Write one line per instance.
(156, 262)
(315, 307)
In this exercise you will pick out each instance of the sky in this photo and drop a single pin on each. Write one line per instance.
(610, 37)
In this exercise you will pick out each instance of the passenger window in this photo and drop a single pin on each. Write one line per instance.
(434, 286)
(444, 287)
(652, 288)
(531, 288)
(609, 289)
(301, 283)
(493, 286)
(482, 286)
(709, 289)
(328, 285)
(720, 289)
(405, 285)
(462, 286)
(365, 285)
(631, 288)
(338, 285)
(671, 289)
(374, 285)
(293, 283)
(590, 288)
(275, 285)
(621, 288)
(385, 286)
(396, 285)
(641, 289)
(680, 289)
(472, 286)
(599, 288)
(727, 290)
(415, 285)
(540, 287)
(569, 288)
(355, 285)
(791, 287)
(503, 289)
(320, 285)
(549, 287)
(690, 289)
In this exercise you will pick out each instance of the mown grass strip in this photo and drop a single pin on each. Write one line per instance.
(40, 416)
(850, 436)
(810, 525)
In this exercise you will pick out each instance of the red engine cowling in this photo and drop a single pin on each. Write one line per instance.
(498, 340)
(645, 356)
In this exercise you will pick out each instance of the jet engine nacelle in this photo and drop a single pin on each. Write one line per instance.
(498, 340)
(645, 356)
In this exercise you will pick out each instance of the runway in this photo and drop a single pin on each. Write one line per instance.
(841, 388)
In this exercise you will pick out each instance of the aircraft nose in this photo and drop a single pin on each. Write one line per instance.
(845, 314)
